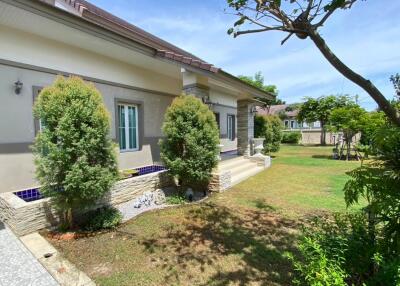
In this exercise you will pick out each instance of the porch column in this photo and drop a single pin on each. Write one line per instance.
(194, 84)
(245, 127)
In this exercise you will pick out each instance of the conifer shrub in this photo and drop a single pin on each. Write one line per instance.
(190, 147)
(74, 155)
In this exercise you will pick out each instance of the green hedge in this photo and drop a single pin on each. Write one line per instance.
(292, 137)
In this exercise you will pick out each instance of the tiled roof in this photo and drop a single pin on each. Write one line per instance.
(276, 109)
(164, 49)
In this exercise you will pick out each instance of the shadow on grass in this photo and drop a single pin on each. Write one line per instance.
(326, 157)
(212, 233)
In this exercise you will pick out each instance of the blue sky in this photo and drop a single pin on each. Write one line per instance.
(365, 37)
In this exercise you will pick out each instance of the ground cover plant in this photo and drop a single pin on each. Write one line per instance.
(240, 237)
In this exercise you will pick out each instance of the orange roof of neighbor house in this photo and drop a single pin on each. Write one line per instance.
(276, 109)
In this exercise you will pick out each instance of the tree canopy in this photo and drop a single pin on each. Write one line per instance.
(320, 109)
(303, 18)
(258, 81)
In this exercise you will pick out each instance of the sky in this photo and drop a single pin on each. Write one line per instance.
(365, 37)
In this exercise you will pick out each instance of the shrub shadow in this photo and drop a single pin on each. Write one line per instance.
(326, 157)
(212, 233)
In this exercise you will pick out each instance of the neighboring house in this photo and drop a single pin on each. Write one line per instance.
(311, 132)
(134, 70)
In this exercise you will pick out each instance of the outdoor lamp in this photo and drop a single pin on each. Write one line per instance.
(206, 100)
(253, 109)
(18, 87)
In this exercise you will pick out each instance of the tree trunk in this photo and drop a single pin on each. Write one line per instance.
(68, 218)
(323, 134)
(365, 84)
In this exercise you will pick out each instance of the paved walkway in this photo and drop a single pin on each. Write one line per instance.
(17, 265)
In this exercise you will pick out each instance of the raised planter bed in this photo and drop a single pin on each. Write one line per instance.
(27, 211)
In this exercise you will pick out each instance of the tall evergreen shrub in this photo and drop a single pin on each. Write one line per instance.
(190, 147)
(74, 155)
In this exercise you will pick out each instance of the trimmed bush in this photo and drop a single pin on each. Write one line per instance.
(268, 127)
(103, 218)
(291, 137)
(190, 147)
(74, 155)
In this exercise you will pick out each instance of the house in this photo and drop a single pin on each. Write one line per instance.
(310, 132)
(133, 69)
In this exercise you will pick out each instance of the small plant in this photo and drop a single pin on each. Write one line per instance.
(125, 174)
(291, 137)
(175, 200)
(103, 218)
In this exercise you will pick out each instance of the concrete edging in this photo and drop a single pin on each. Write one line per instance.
(63, 271)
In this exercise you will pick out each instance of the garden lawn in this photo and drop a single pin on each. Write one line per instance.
(239, 237)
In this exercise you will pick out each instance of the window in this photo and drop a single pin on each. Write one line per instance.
(317, 124)
(299, 124)
(128, 127)
(292, 122)
(217, 119)
(231, 127)
(286, 123)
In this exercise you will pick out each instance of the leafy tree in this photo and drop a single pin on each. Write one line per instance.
(349, 120)
(270, 128)
(303, 18)
(319, 109)
(190, 147)
(371, 123)
(258, 81)
(378, 183)
(74, 156)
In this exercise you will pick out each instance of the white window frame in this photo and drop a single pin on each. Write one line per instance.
(125, 106)
(292, 124)
(317, 124)
(230, 129)
(286, 123)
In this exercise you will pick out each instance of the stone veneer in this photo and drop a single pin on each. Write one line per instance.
(245, 127)
(220, 181)
(27, 217)
(198, 90)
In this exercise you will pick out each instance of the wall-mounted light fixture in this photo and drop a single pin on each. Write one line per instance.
(18, 86)
(206, 100)
(253, 109)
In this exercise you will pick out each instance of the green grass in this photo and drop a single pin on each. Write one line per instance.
(238, 237)
(301, 180)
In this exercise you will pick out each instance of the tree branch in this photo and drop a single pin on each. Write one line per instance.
(365, 84)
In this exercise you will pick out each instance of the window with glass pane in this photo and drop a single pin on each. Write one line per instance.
(127, 127)
(231, 127)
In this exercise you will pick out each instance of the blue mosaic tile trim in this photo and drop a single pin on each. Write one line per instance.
(34, 194)
(149, 169)
(29, 195)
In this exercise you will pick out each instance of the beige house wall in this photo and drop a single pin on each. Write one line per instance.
(36, 60)
(17, 131)
(22, 47)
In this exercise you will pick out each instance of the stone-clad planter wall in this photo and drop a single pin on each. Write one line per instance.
(26, 217)
(220, 181)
